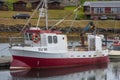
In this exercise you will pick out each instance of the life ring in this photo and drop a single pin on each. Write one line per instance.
(35, 38)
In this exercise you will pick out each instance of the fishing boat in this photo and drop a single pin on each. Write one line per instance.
(110, 41)
(48, 49)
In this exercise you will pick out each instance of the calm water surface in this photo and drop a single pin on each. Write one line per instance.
(100, 72)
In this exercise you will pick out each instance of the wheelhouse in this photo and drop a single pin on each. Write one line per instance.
(53, 40)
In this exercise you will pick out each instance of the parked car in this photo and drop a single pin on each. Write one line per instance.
(103, 17)
(21, 16)
(94, 17)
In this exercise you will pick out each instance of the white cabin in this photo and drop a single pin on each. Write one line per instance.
(46, 39)
(95, 42)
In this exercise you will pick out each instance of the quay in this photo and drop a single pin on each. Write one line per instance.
(5, 61)
(5, 56)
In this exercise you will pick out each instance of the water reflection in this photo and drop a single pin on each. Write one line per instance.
(5, 75)
(73, 73)
(100, 72)
(113, 71)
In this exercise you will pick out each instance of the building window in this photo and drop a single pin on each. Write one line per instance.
(114, 10)
(49, 39)
(88, 9)
(102, 10)
(23, 5)
(55, 39)
(95, 10)
(99, 10)
(118, 10)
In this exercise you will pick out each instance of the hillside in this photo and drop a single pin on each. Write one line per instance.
(54, 17)
(67, 23)
(6, 21)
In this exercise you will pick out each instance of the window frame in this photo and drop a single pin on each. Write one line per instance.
(55, 40)
(50, 40)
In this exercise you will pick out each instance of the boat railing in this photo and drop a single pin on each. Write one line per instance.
(77, 48)
(16, 41)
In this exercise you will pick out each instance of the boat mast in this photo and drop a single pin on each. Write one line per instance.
(40, 14)
(42, 11)
(46, 8)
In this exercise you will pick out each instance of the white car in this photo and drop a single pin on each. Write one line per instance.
(103, 17)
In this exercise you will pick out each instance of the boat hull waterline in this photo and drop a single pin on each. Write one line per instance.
(30, 62)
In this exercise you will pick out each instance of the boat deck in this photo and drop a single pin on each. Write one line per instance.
(82, 48)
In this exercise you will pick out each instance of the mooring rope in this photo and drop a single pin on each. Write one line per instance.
(3, 49)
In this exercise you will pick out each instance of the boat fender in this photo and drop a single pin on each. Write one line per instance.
(35, 38)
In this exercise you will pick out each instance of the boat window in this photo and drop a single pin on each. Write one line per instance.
(49, 39)
(89, 55)
(55, 39)
(91, 78)
(83, 55)
(30, 36)
(78, 56)
(26, 36)
(63, 38)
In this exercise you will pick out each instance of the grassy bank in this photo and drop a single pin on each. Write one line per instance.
(53, 14)
(66, 23)
(56, 15)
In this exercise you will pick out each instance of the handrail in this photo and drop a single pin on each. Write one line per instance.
(16, 40)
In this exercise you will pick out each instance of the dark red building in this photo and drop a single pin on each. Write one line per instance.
(52, 4)
(19, 6)
(1, 5)
(96, 9)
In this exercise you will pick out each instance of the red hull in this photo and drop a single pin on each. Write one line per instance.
(29, 62)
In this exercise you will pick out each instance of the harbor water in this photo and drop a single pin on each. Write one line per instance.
(101, 72)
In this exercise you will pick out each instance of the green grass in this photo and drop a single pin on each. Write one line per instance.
(71, 8)
(9, 14)
(53, 14)
(6, 18)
